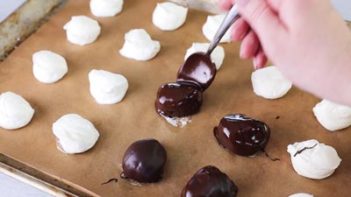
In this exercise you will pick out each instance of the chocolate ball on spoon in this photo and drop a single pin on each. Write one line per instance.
(197, 69)
(184, 97)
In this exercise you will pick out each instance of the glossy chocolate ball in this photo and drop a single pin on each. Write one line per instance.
(242, 135)
(178, 99)
(144, 161)
(210, 182)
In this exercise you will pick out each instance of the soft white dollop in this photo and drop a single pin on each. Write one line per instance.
(301, 195)
(74, 134)
(48, 67)
(315, 160)
(168, 16)
(270, 83)
(178, 121)
(15, 111)
(106, 8)
(107, 87)
(209, 29)
(332, 116)
(139, 46)
(82, 30)
(217, 56)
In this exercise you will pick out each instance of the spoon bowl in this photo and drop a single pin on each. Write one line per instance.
(198, 68)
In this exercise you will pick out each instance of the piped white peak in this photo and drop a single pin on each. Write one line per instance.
(301, 195)
(270, 83)
(139, 46)
(313, 160)
(217, 55)
(48, 67)
(82, 30)
(15, 111)
(74, 134)
(168, 16)
(107, 87)
(106, 8)
(209, 29)
(332, 116)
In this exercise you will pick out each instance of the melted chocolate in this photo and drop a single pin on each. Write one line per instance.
(198, 68)
(242, 135)
(210, 182)
(178, 99)
(144, 161)
(184, 97)
(110, 181)
(305, 148)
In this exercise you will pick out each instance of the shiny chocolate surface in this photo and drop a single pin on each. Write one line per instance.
(198, 68)
(242, 135)
(144, 161)
(209, 181)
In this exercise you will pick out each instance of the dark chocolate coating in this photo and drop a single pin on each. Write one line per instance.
(242, 135)
(198, 68)
(178, 99)
(144, 161)
(210, 182)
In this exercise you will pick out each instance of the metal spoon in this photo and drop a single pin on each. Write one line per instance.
(198, 67)
(231, 17)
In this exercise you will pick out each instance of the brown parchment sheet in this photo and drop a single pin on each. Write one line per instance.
(188, 148)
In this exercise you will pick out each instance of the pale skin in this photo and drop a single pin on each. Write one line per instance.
(306, 39)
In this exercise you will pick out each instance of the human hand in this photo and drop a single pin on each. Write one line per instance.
(306, 39)
(250, 46)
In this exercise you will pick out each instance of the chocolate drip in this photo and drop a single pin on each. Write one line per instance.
(305, 148)
(109, 181)
(271, 158)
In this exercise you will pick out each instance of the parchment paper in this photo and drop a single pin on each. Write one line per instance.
(189, 148)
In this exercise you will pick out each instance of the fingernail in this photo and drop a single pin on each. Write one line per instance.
(242, 3)
(255, 64)
(242, 53)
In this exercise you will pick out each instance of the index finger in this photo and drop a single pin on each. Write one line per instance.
(226, 4)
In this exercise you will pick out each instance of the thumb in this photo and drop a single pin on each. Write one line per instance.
(263, 20)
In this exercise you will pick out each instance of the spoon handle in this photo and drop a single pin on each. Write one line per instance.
(231, 17)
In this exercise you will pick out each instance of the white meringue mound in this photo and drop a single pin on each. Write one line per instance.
(82, 30)
(107, 87)
(168, 16)
(74, 134)
(217, 56)
(106, 8)
(318, 161)
(139, 46)
(178, 121)
(270, 83)
(48, 67)
(15, 111)
(209, 29)
(301, 195)
(332, 116)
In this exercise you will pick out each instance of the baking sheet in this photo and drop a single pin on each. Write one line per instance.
(7, 7)
(189, 148)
